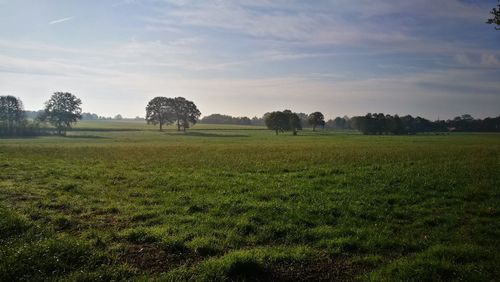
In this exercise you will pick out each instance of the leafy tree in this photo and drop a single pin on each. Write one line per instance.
(294, 121)
(62, 110)
(163, 110)
(186, 113)
(316, 119)
(160, 110)
(118, 117)
(12, 115)
(283, 121)
(495, 17)
(277, 121)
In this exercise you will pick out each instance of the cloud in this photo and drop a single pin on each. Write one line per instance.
(332, 23)
(480, 60)
(61, 20)
(123, 2)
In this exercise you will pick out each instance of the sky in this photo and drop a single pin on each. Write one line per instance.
(433, 58)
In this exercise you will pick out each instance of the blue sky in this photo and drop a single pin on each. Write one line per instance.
(435, 58)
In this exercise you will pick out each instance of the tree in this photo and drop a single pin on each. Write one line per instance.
(160, 110)
(163, 110)
(283, 121)
(294, 121)
(339, 122)
(186, 113)
(316, 119)
(62, 110)
(304, 119)
(277, 121)
(118, 117)
(495, 19)
(12, 115)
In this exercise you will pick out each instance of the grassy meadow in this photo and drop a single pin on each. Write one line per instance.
(118, 200)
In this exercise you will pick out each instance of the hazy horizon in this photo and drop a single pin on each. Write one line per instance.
(244, 58)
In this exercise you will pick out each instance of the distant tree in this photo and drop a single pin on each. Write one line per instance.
(495, 17)
(316, 119)
(283, 121)
(294, 121)
(186, 113)
(12, 115)
(89, 116)
(258, 121)
(160, 110)
(277, 121)
(304, 119)
(339, 122)
(118, 117)
(244, 121)
(62, 110)
(225, 119)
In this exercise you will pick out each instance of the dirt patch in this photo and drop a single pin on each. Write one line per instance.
(331, 269)
(152, 258)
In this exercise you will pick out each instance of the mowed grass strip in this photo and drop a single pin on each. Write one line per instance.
(237, 204)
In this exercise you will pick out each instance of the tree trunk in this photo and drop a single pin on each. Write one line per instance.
(314, 127)
(178, 126)
(276, 132)
(161, 126)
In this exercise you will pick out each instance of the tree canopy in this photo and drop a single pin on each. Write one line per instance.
(495, 17)
(160, 110)
(316, 119)
(186, 113)
(12, 115)
(283, 121)
(165, 111)
(62, 110)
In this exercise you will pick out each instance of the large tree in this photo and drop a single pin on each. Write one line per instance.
(495, 17)
(12, 115)
(316, 119)
(160, 110)
(283, 121)
(186, 113)
(277, 121)
(164, 111)
(62, 110)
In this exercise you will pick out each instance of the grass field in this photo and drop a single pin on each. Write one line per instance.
(121, 201)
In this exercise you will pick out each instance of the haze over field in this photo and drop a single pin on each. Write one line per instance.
(429, 58)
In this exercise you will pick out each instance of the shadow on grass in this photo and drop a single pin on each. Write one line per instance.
(19, 137)
(205, 134)
(105, 129)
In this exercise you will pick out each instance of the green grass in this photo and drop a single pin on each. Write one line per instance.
(119, 200)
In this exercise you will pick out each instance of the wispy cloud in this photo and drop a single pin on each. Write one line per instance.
(61, 20)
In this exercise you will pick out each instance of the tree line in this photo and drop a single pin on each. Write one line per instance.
(377, 123)
(226, 119)
(63, 110)
(387, 124)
